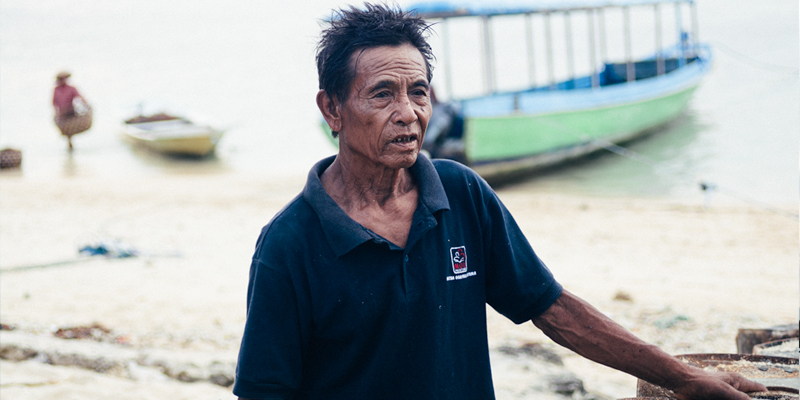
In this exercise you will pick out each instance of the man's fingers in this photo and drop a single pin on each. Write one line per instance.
(745, 385)
(722, 385)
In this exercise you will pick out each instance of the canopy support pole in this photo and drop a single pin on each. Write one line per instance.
(549, 40)
(694, 29)
(570, 55)
(488, 56)
(448, 79)
(592, 55)
(630, 67)
(660, 67)
(681, 40)
(603, 45)
(529, 45)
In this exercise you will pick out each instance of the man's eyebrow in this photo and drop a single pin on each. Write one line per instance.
(420, 83)
(381, 84)
(388, 83)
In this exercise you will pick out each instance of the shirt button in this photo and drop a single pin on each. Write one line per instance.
(406, 259)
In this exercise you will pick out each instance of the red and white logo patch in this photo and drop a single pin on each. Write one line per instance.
(458, 256)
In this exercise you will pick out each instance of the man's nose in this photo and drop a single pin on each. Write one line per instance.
(404, 111)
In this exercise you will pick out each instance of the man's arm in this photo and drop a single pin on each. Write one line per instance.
(576, 325)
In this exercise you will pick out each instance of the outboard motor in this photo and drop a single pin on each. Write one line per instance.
(443, 138)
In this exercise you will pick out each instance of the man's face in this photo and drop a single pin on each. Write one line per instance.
(385, 117)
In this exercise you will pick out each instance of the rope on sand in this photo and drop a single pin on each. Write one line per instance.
(706, 187)
(47, 265)
(109, 249)
(745, 59)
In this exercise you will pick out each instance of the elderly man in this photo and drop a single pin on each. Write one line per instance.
(373, 283)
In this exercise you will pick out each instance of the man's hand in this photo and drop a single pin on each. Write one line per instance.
(576, 325)
(717, 385)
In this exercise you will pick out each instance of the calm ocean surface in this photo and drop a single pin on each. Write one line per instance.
(249, 66)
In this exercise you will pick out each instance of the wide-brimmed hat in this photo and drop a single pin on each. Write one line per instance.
(63, 75)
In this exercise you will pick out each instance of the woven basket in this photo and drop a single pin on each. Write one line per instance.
(10, 158)
(81, 121)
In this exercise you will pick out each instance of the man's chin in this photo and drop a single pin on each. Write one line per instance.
(403, 160)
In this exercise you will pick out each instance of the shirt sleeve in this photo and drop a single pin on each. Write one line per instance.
(518, 284)
(270, 356)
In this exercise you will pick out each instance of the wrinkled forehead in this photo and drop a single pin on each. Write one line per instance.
(404, 59)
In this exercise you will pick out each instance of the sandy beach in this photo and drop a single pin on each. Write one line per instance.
(676, 274)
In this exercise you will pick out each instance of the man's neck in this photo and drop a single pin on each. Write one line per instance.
(381, 200)
(358, 188)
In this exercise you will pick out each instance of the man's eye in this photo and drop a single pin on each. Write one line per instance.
(383, 94)
(420, 92)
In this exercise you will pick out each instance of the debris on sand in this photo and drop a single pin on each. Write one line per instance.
(95, 332)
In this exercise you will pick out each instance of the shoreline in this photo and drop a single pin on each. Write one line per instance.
(692, 276)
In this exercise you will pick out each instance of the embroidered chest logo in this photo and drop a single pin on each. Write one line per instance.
(458, 257)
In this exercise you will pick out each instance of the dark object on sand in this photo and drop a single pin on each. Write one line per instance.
(779, 348)
(93, 332)
(7, 327)
(10, 158)
(110, 249)
(747, 338)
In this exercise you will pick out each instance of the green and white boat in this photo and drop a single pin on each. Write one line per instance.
(503, 134)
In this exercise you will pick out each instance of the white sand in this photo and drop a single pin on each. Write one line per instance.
(694, 276)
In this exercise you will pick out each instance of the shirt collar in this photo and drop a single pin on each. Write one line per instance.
(345, 234)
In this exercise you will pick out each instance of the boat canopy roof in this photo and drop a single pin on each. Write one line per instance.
(482, 8)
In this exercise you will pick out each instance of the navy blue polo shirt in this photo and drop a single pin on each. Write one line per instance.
(335, 311)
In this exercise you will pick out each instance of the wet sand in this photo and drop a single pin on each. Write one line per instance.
(675, 274)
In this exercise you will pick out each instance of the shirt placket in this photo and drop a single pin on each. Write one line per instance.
(422, 222)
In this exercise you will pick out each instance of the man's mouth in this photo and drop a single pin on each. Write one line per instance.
(405, 139)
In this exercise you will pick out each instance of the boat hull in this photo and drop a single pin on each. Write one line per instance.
(572, 123)
(174, 137)
(501, 147)
(196, 146)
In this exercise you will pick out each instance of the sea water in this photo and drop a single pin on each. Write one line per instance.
(248, 67)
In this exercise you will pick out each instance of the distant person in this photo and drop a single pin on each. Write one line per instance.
(69, 120)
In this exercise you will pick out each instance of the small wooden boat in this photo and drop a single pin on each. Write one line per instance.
(558, 113)
(168, 134)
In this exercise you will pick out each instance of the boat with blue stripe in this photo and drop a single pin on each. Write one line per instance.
(558, 114)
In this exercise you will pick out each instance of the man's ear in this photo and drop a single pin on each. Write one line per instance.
(330, 109)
